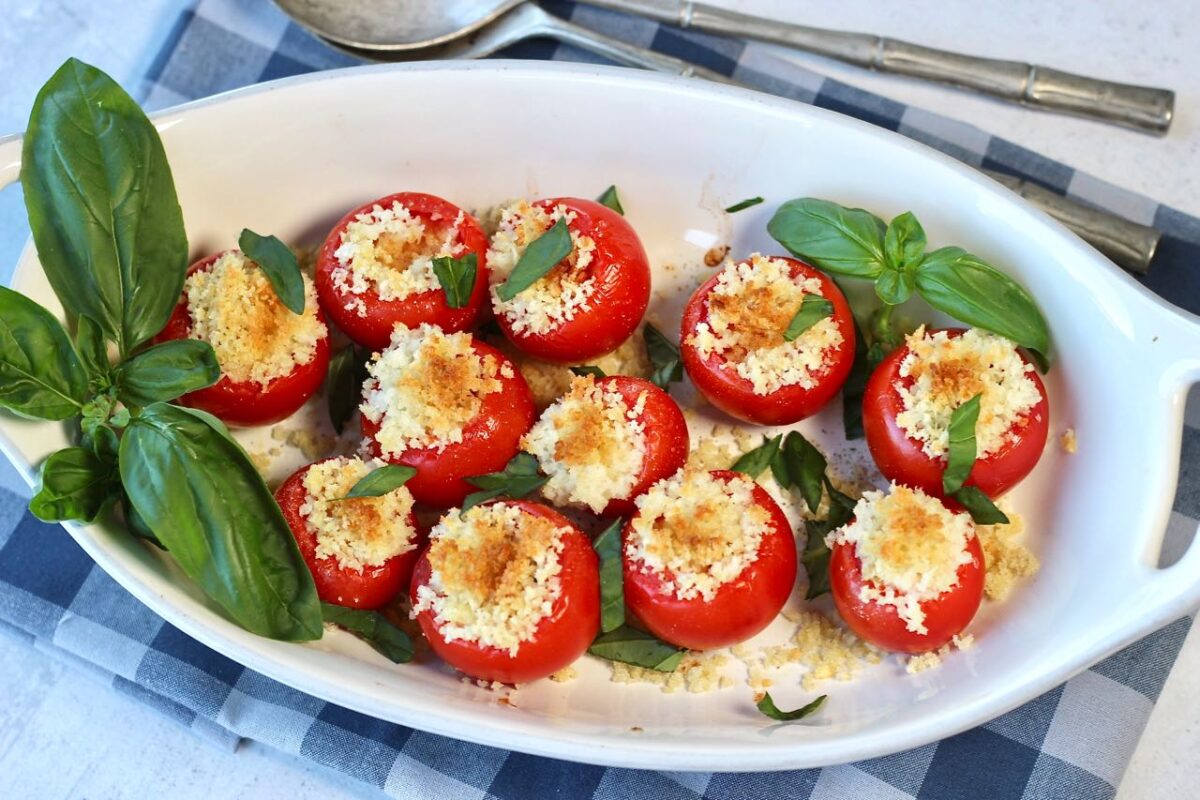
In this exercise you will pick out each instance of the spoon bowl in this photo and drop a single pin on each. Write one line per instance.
(394, 25)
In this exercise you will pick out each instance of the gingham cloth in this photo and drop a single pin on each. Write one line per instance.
(1072, 742)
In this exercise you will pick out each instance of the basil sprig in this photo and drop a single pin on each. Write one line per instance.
(75, 483)
(632, 646)
(856, 243)
(664, 358)
(742, 205)
(609, 198)
(374, 629)
(961, 456)
(380, 481)
(457, 277)
(755, 462)
(767, 706)
(41, 376)
(612, 581)
(813, 309)
(520, 477)
(279, 263)
(541, 256)
(588, 369)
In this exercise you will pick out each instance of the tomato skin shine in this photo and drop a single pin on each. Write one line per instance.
(622, 274)
(372, 328)
(901, 459)
(372, 587)
(248, 403)
(739, 609)
(735, 395)
(560, 638)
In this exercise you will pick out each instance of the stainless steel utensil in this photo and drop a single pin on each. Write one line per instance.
(394, 25)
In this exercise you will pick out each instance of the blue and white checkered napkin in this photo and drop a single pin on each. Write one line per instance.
(1072, 742)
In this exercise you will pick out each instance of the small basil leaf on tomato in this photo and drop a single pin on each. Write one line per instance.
(767, 706)
(904, 242)
(806, 466)
(380, 481)
(612, 584)
(813, 309)
(755, 461)
(742, 205)
(588, 369)
(75, 483)
(961, 453)
(457, 277)
(609, 198)
(632, 646)
(844, 241)
(981, 508)
(520, 477)
(664, 358)
(894, 287)
(166, 371)
(541, 256)
(280, 265)
(374, 629)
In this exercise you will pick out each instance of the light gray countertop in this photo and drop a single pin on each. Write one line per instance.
(64, 735)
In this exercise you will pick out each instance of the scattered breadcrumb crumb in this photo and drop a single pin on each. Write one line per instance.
(1068, 442)
(313, 444)
(716, 255)
(548, 381)
(697, 673)
(260, 459)
(1007, 560)
(923, 662)
(565, 674)
(963, 641)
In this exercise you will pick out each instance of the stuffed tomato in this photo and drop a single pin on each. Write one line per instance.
(376, 268)
(708, 558)
(913, 392)
(272, 360)
(606, 441)
(360, 550)
(744, 351)
(509, 591)
(447, 405)
(906, 573)
(587, 303)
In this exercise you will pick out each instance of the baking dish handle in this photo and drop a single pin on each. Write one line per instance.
(10, 159)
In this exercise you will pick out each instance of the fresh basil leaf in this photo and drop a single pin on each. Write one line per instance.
(961, 456)
(40, 373)
(457, 277)
(841, 506)
(813, 309)
(632, 646)
(981, 508)
(279, 263)
(855, 387)
(342, 387)
(612, 583)
(844, 241)
(904, 242)
(767, 706)
(960, 284)
(587, 369)
(779, 469)
(542, 255)
(815, 558)
(894, 287)
(103, 442)
(520, 477)
(380, 481)
(806, 466)
(754, 462)
(74, 484)
(664, 358)
(102, 205)
(93, 353)
(374, 629)
(166, 371)
(609, 198)
(743, 204)
(137, 526)
(200, 495)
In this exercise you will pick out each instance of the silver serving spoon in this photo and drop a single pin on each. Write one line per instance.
(394, 25)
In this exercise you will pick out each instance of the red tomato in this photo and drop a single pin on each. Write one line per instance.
(372, 587)
(901, 458)
(372, 326)
(734, 395)
(622, 274)
(560, 638)
(740, 608)
(666, 435)
(945, 616)
(249, 403)
(489, 441)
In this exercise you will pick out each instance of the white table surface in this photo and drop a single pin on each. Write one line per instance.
(64, 735)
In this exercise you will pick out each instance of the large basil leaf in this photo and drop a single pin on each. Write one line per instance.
(102, 205)
(958, 283)
(40, 373)
(374, 629)
(200, 495)
(844, 241)
(166, 371)
(632, 646)
(74, 483)
(612, 578)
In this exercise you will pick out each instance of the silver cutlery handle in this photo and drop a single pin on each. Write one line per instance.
(1141, 107)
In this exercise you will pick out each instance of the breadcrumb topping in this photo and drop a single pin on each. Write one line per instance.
(549, 381)
(947, 371)
(591, 444)
(358, 532)
(749, 310)
(1008, 561)
(494, 575)
(697, 673)
(234, 308)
